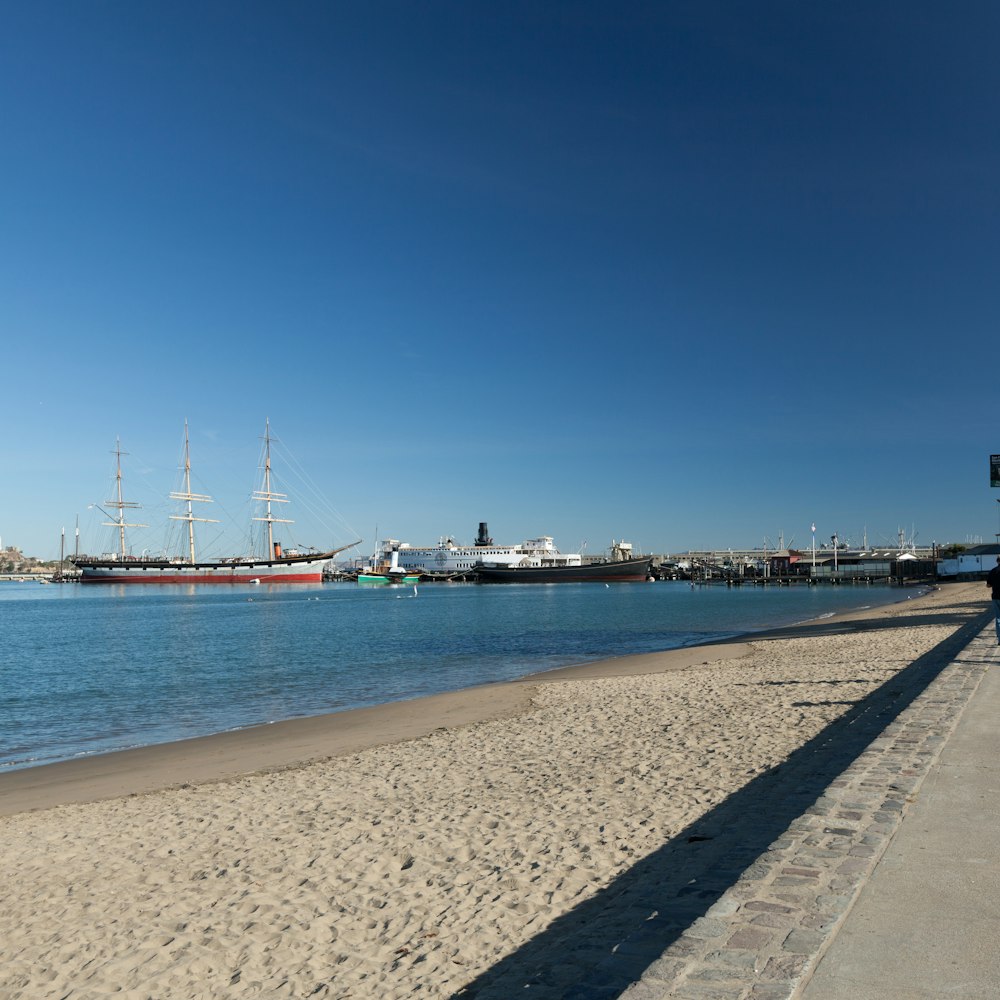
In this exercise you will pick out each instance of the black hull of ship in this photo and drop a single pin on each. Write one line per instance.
(624, 571)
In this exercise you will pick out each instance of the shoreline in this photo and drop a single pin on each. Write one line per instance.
(140, 693)
(291, 743)
(528, 834)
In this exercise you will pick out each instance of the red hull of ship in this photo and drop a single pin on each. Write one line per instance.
(205, 578)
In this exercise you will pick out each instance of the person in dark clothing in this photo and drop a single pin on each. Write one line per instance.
(993, 582)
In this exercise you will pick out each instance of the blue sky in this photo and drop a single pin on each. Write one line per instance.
(691, 274)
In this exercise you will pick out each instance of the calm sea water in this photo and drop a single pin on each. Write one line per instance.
(90, 669)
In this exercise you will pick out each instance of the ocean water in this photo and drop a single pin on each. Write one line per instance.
(91, 669)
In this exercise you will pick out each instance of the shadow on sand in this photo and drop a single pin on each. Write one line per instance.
(596, 950)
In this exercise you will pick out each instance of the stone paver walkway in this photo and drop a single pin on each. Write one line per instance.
(764, 936)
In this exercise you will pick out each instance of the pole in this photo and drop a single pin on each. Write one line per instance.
(814, 548)
(267, 487)
(187, 489)
(189, 497)
(121, 503)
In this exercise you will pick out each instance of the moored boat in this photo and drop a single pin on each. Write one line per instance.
(273, 566)
(610, 571)
(387, 571)
(451, 559)
(400, 576)
(535, 560)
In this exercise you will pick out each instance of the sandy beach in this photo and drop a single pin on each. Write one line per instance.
(408, 849)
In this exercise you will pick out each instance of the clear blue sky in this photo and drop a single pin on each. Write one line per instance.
(694, 274)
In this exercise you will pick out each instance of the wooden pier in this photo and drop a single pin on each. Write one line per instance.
(798, 581)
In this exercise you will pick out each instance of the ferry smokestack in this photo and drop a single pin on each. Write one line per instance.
(484, 537)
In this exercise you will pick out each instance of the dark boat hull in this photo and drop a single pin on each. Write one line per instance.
(289, 569)
(624, 571)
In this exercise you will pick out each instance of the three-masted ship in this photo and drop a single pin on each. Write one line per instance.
(274, 566)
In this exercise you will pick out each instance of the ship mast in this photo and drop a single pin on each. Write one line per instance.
(268, 496)
(190, 497)
(122, 505)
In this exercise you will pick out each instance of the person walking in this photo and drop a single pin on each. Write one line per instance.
(993, 582)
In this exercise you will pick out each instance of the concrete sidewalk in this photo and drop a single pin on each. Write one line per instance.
(888, 887)
(927, 923)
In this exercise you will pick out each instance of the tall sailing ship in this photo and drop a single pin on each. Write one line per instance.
(274, 566)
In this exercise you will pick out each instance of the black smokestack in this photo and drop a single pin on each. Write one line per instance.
(484, 538)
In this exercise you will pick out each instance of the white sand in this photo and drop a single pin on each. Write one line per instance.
(410, 867)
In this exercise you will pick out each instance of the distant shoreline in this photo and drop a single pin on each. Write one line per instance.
(292, 742)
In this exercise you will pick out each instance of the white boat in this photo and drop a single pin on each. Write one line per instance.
(272, 566)
(448, 558)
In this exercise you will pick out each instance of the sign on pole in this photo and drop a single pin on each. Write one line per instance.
(994, 470)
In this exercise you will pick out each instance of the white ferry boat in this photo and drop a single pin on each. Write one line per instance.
(450, 558)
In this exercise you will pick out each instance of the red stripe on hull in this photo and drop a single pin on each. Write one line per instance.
(210, 578)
